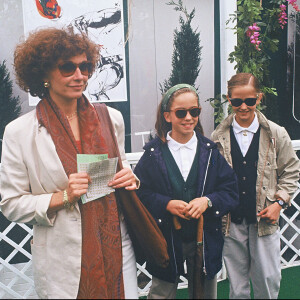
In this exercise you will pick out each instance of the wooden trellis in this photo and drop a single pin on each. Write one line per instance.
(16, 279)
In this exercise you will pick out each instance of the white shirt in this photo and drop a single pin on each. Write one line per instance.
(183, 154)
(244, 135)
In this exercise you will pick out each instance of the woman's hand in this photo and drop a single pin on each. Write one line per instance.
(124, 179)
(196, 208)
(77, 186)
(176, 208)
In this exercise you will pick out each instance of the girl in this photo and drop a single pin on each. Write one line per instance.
(267, 168)
(182, 174)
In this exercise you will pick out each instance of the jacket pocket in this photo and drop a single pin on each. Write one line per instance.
(39, 269)
(270, 199)
(273, 175)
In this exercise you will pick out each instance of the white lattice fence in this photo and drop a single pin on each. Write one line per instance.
(16, 279)
(290, 234)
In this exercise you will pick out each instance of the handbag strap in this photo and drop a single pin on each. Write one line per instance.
(103, 114)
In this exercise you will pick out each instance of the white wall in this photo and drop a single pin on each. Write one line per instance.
(227, 42)
(152, 25)
(11, 31)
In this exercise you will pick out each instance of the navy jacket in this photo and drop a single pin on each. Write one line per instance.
(155, 192)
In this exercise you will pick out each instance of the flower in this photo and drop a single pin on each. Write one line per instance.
(282, 16)
(294, 4)
(253, 34)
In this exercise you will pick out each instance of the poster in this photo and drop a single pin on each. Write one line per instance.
(102, 20)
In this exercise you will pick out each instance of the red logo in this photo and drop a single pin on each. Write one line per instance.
(48, 9)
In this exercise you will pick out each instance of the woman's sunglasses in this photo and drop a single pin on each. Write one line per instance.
(236, 102)
(181, 113)
(68, 68)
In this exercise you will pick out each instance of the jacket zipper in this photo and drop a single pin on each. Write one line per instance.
(176, 268)
(204, 268)
(208, 162)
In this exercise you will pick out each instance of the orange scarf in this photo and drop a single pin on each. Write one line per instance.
(101, 266)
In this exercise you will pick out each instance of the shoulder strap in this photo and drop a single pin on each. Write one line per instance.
(145, 234)
(109, 131)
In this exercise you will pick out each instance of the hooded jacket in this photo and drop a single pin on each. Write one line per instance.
(216, 180)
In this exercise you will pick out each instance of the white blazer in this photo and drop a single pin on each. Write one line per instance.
(31, 172)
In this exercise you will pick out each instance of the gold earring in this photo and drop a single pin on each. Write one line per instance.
(46, 84)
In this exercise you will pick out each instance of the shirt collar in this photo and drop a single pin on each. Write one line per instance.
(252, 128)
(176, 146)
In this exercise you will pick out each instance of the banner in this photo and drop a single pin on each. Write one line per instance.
(102, 21)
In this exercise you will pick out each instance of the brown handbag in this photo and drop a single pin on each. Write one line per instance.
(148, 241)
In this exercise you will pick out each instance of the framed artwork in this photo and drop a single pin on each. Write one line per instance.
(102, 21)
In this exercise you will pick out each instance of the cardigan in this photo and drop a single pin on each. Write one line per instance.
(245, 168)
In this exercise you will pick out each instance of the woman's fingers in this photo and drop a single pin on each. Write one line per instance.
(124, 178)
(131, 187)
(78, 185)
(122, 184)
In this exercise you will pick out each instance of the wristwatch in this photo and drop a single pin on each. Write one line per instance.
(281, 203)
(209, 203)
(67, 204)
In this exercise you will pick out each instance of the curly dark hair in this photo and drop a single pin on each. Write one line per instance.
(40, 53)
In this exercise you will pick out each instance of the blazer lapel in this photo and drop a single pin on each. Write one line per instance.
(48, 157)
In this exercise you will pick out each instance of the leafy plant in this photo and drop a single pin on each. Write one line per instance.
(258, 27)
(186, 56)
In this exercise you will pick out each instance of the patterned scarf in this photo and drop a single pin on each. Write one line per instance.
(101, 266)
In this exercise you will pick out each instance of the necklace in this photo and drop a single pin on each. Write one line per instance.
(72, 116)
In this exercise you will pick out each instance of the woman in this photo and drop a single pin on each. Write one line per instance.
(76, 249)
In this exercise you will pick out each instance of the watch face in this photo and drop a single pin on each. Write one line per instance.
(280, 202)
(209, 202)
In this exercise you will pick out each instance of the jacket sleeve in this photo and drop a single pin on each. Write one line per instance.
(288, 167)
(18, 203)
(224, 186)
(150, 192)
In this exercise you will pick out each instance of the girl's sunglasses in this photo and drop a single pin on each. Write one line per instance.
(181, 113)
(236, 102)
(68, 68)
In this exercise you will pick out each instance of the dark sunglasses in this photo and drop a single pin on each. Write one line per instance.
(236, 102)
(68, 68)
(181, 113)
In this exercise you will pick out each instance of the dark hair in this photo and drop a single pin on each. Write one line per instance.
(162, 126)
(39, 54)
(242, 79)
